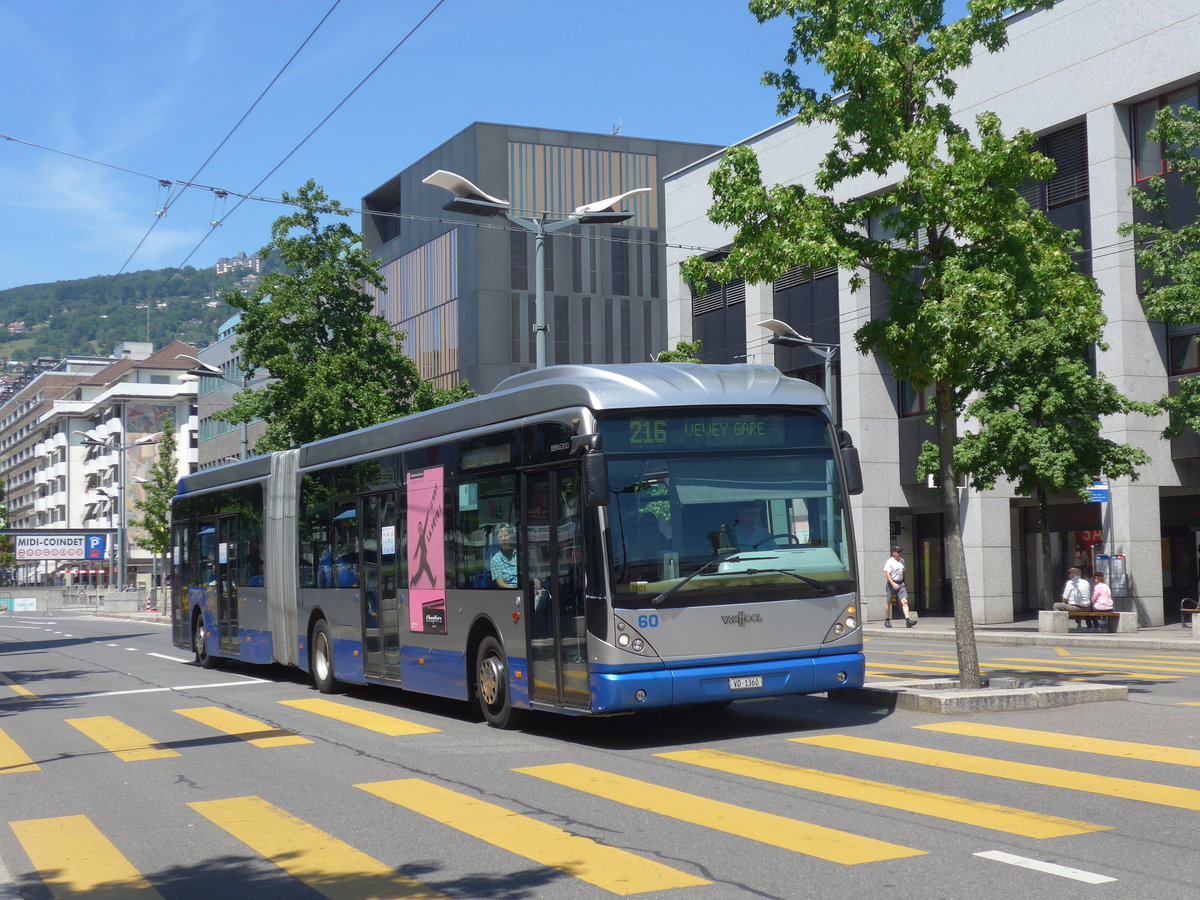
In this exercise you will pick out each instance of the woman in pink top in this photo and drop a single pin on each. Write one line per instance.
(1102, 598)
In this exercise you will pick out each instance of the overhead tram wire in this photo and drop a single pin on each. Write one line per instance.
(243, 197)
(184, 185)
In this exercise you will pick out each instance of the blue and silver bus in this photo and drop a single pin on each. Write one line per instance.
(584, 540)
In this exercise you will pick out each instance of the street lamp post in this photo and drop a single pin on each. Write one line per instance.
(472, 201)
(91, 441)
(784, 335)
(205, 370)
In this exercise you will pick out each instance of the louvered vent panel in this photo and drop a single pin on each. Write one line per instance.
(1068, 149)
(735, 292)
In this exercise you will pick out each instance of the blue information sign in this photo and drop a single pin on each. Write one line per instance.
(1098, 493)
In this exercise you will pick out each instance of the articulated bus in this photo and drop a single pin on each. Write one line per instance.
(585, 540)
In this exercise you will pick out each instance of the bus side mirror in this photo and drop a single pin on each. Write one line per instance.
(850, 463)
(853, 470)
(595, 479)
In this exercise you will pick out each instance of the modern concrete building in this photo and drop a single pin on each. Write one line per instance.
(219, 441)
(462, 288)
(1086, 76)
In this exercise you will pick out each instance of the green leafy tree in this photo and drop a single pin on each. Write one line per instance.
(8, 558)
(685, 351)
(950, 237)
(1170, 250)
(155, 505)
(1039, 412)
(334, 364)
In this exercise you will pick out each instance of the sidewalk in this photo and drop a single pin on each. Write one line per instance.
(941, 628)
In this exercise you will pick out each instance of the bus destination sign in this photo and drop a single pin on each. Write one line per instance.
(690, 432)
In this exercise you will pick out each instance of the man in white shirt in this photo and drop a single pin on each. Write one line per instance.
(897, 590)
(1076, 596)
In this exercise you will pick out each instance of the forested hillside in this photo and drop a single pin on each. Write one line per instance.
(90, 316)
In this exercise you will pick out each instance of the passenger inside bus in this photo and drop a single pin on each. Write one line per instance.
(504, 562)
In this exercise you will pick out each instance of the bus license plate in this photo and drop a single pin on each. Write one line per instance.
(740, 684)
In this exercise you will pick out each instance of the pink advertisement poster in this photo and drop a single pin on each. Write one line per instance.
(426, 554)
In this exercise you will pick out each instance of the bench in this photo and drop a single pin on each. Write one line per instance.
(1057, 621)
(1187, 611)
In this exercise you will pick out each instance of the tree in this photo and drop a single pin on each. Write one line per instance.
(155, 505)
(334, 364)
(685, 351)
(8, 558)
(1039, 414)
(950, 236)
(1170, 251)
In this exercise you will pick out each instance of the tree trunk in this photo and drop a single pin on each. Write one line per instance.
(1044, 528)
(956, 558)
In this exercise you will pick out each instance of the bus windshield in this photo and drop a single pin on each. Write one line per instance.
(709, 509)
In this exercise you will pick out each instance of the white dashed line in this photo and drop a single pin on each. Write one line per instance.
(1049, 868)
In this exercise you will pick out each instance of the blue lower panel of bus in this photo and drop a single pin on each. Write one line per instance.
(255, 646)
(616, 690)
(442, 673)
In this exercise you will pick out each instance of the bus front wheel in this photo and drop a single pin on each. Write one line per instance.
(491, 684)
(322, 659)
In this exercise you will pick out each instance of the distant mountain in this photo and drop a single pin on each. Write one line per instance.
(90, 316)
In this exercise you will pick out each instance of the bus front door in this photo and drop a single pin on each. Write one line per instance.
(554, 587)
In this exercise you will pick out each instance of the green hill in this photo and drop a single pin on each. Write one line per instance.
(90, 316)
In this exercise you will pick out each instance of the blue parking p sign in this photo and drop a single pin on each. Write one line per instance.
(94, 549)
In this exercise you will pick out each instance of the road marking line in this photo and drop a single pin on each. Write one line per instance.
(329, 866)
(121, 740)
(16, 688)
(1123, 664)
(1189, 704)
(610, 868)
(363, 718)
(169, 658)
(156, 690)
(255, 732)
(940, 806)
(766, 828)
(1062, 651)
(74, 859)
(1049, 868)
(12, 758)
(1179, 756)
(1067, 779)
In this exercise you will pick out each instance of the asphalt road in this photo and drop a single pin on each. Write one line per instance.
(126, 771)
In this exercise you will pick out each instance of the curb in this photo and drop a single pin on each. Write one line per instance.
(942, 696)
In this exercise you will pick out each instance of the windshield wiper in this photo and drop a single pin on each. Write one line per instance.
(817, 583)
(658, 601)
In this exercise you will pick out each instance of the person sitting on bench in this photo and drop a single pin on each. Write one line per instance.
(1102, 598)
(1076, 597)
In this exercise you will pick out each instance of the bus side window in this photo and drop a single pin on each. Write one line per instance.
(483, 503)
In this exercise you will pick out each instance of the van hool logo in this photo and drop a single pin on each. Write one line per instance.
(741, 619)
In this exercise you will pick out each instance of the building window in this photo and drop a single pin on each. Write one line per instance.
(1149, 155)
(620, 262)
(518, 260)
(914, 402)
(1068, 148)
(1185, 353)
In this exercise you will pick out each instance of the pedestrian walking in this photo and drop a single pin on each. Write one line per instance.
(897, 590)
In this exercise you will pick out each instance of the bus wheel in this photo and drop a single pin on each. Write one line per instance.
(322, 658)
(491, 684)
(200, 644)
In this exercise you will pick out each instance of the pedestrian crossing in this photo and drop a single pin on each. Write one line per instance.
(1066, 666)
(73, 857)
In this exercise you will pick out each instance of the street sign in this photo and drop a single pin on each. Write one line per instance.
(1098, 493)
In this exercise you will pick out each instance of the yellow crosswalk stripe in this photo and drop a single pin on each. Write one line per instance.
(123, 741)
(1179, 756)
(257, 733)
(19, 690)
(12, 758)
(75, 860)
(766, 828)
(363, 718)
(1117, 664)
(1067, 779)
(614, 870)
(941, 806)
(329, 866)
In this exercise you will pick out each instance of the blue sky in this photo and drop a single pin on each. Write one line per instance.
(153, 88)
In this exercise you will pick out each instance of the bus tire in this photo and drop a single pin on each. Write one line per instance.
(200, 643)
(322, 658)
(491, 684)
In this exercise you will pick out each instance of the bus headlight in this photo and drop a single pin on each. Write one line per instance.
(623, 639)
(638, 645)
